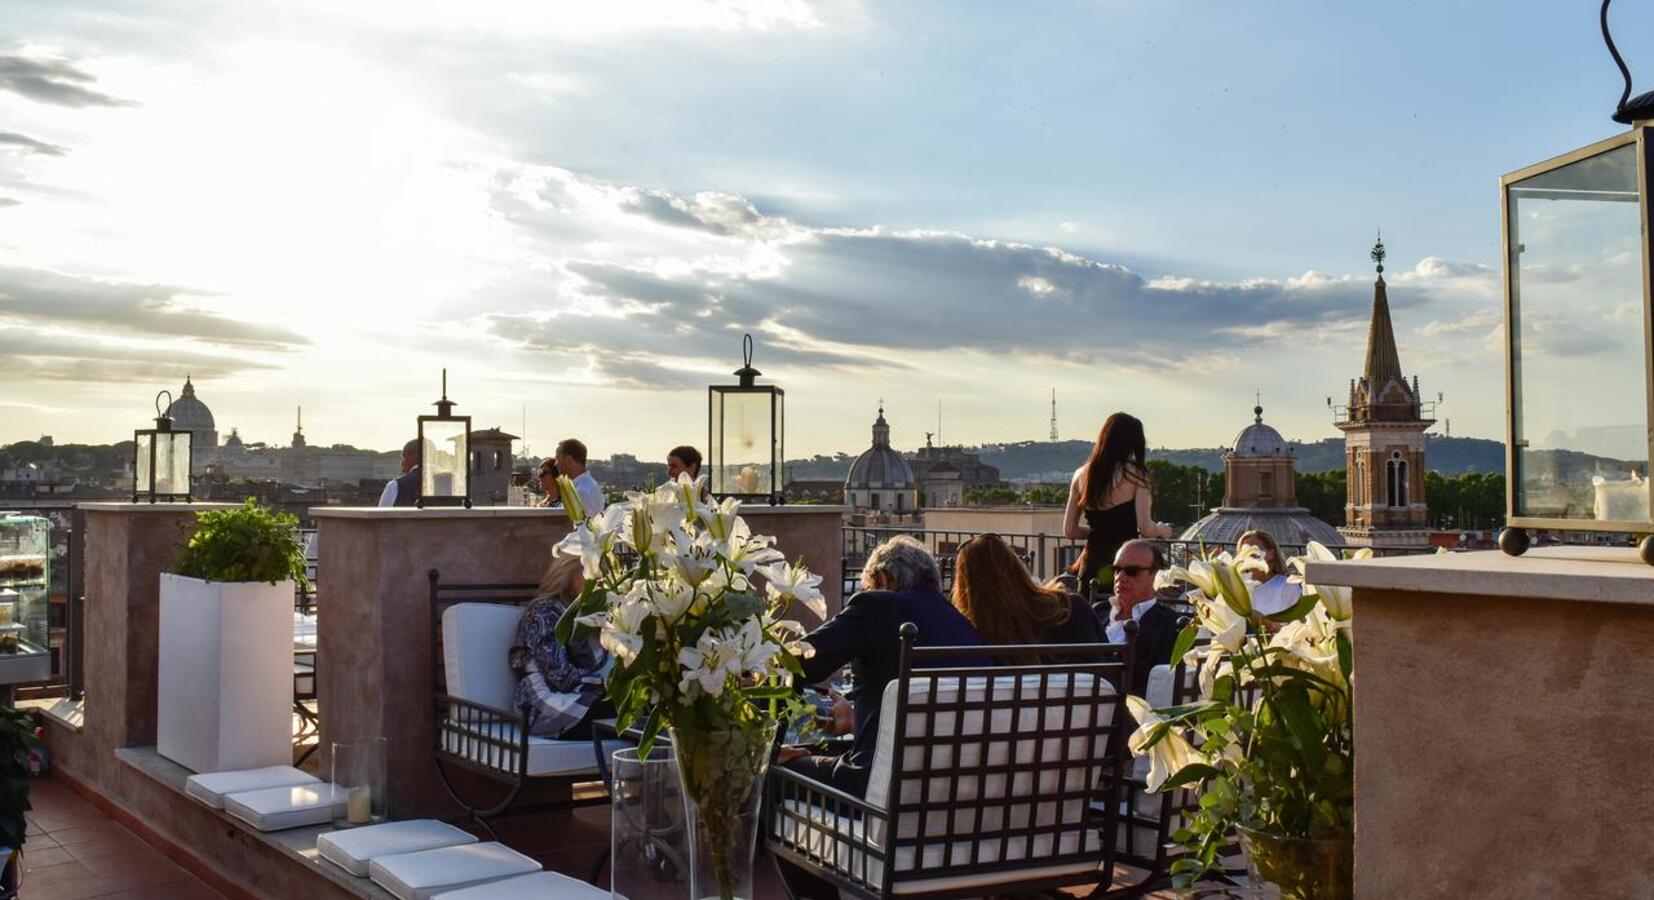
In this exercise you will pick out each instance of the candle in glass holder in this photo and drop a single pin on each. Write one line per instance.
(359, 805)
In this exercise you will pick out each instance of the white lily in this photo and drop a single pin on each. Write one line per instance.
(1169, 755)
(790, 634)
(1197, 573)
(720, 518)
(671, 599)
(709, 663)
(795, 582)
(1226, 626)
(746, 553)
(587, 545)
(1338, 601)
(571, 499)
(1232, 587)
(622, 632)
(688, 490)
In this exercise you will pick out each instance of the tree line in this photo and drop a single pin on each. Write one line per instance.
(1183, 494)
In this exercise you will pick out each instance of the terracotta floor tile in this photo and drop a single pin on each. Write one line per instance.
(58, 821)
(183, 890)
(70, 881)
(114, 845)
(37, 857)
(94, 831)
(137, 869)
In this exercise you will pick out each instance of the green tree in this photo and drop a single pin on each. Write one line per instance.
(992, 496)
(1183, 494)
(1323, 494)
(1046, 495)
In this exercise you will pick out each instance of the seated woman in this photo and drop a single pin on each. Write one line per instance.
(1275, 591)
(993, 590)
(563, 684)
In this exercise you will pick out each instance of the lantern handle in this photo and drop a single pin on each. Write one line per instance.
(747, 373)
(161, 411)
(746, 350)
(1608, 38)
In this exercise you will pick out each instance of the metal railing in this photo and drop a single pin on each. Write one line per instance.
(1045, 555)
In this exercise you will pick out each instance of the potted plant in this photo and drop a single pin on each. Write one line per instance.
(1269, 744)
(226, 642)
(699, 650)
(16, 740)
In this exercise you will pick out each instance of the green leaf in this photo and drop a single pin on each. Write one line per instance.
(1185, 640)
(1300, 719)
(1346, 654)
(1189, 774)
(1296, 611)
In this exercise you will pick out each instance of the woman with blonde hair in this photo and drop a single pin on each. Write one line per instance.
(563, 684)
(993, 589)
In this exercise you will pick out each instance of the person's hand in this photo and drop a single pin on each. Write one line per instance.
(841, 719)
(789, 753)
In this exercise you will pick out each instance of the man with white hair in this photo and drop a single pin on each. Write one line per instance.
(406, 489)
(901, 583)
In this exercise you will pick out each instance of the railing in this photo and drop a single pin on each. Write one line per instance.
(1045, 555)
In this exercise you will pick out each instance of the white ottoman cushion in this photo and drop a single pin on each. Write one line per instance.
(540, 886)
(274, 809)
(352, 849)
(422, 875)
(211, 788)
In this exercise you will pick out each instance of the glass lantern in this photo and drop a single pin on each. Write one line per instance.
(444, 451)
(1579, 361)
(745, 425)
(161, 463)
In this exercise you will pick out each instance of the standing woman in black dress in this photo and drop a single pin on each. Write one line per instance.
(1111, 495)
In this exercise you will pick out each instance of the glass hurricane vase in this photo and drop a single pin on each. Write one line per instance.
(723, 782)
(1303, 868)
(650, 828)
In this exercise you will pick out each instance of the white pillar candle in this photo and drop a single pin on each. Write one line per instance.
(359, 805)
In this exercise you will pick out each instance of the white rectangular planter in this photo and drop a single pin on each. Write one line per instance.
(226, 674)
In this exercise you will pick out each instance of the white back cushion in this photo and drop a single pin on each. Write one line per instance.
(1038, 768)
(476, 651)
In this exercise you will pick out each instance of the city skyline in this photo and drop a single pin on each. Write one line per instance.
(967, 205)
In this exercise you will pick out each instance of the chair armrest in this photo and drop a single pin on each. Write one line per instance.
(815, 790)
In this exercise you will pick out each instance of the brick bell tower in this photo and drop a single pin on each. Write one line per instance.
(1384, 427)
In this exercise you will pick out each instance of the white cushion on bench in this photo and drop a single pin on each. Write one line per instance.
(273, 809)
(539, 886)
(212, 787)
(546, 756)
(352, 849)
(422, 875)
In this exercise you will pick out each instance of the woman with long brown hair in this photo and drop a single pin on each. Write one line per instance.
(993, 589)
(1113, 494)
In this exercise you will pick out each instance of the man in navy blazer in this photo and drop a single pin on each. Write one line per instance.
(902, 584)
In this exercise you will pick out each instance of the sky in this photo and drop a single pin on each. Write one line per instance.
(953, 207)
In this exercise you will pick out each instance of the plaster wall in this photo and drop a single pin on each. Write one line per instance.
(1498, 705)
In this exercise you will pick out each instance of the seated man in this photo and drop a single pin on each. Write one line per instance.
(1135, 565)
(901, 583)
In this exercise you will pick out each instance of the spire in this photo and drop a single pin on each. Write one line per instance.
(1257, 407)
(298, 431)
(881, 428)
(189, 389)
(1383, 363)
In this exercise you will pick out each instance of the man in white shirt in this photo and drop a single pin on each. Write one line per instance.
(404, 491)
(571, 461)
(1135, 566)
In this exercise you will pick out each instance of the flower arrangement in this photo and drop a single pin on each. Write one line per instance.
(1269, 743)
(672, 592)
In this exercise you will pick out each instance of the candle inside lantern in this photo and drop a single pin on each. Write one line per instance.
(359, 805)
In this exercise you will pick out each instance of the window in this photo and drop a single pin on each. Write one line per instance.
(872, 500)
(499, 460)
(1396, 479)
(1266, 484)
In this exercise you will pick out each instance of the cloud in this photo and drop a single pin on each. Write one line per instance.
(50, 297)
(1478, 321)
(52, 81)
(31, 145)
(7, 201)
(53, 355)
(709, 211)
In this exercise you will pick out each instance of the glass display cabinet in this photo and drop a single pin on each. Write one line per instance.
(1579, 360)
(745, 427)
(25, 579)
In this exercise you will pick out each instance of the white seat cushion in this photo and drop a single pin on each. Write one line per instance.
(849, 839)
(546, 756)
(288, 808)
(422, 875)
(352, 849)
(539, 886)
(273, 809)
(1037, 769)
(476, 652)
(212, 787)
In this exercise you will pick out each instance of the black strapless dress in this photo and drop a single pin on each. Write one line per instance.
(1109, 529)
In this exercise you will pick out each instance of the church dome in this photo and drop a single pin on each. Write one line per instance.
(1291, 527)
(189, 413)
(1259, 439)
(880, 466)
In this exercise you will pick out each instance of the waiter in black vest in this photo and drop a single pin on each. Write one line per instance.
(406, 490)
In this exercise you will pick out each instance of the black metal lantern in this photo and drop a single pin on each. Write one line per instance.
(444, 453)
(1579, 350)
(745, 427)
(161, 459)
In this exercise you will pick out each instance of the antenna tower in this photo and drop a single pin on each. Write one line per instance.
(1053, 415)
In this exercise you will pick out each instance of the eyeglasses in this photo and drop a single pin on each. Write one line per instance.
(1133, 571)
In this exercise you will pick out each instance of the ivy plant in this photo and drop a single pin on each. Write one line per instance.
(16, 740)
(249, 543)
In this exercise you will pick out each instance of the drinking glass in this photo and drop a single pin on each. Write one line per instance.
(359, 768)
